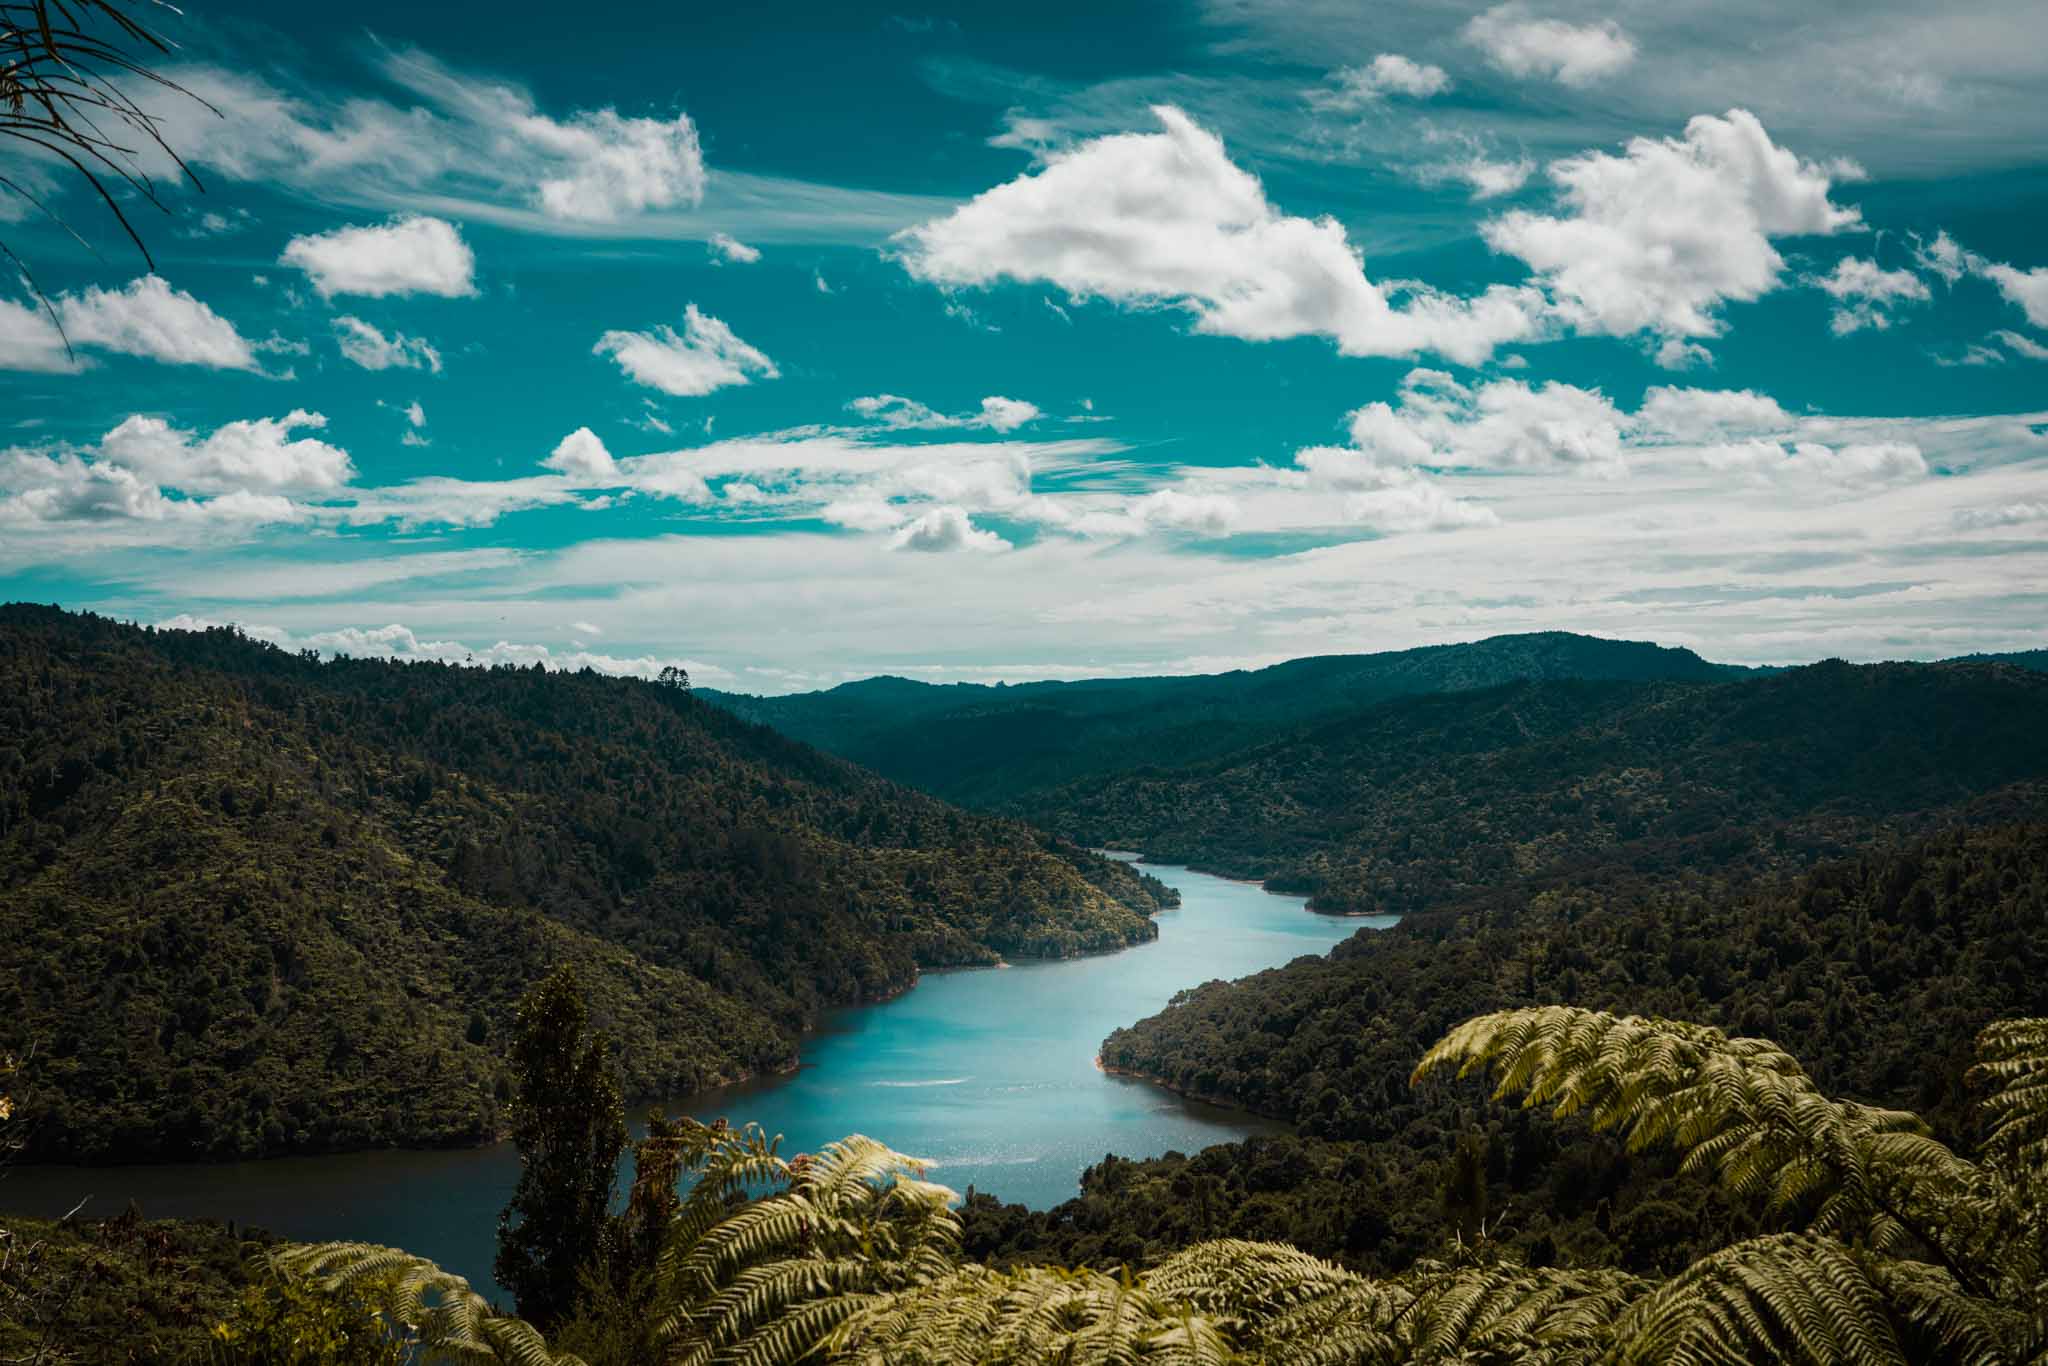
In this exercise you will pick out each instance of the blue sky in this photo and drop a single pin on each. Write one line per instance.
(808, 344)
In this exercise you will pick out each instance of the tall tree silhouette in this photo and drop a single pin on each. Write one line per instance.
(570, 1125)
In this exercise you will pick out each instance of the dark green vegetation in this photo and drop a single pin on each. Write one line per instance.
(1873, 970)
(1423, 801)
(252, 903)
(998, 746)
(117, 1290)
(1884, 1246)
(570, 1126)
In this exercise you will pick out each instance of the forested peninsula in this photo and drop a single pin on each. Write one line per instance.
(1876, 971)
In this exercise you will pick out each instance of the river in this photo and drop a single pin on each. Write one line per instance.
(989, 1072)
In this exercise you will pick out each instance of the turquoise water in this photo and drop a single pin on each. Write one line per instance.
(990, 1073)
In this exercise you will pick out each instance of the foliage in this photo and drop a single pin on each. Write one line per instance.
(570, 1127)
(1888, 1246)
(421, 1306)
(66, 67)
(283, 1320)
(252, 902)
(1425, 801)
(1001, 746)
(1870, 969)
(116, 1290)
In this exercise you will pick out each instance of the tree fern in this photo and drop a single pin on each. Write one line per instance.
(2013, 1065)
(850, 1255)
(450, 1320)
(1741, 1110)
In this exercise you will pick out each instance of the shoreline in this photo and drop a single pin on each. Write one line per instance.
(1129, 1074)
(632, 1100)
(1138, 859)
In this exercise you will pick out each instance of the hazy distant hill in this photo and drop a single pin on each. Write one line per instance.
(991, 745)
(1412, 802)
(251, 902)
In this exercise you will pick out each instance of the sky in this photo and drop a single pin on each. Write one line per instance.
(976, 343)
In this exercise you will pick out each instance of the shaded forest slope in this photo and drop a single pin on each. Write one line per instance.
(996, 746)
(1422, 801)
(252, 902)
(1875, 971)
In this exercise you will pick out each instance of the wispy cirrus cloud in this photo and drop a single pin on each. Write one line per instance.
(456, 144)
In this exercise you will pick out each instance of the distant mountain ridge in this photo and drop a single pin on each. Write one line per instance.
(255, 902)
(993, 745)
(1421, 800)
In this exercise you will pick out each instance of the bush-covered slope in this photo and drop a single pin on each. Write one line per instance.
(251, 902)
(994, 746)
(1875, 971)
(118, 1290)
(1423, 800)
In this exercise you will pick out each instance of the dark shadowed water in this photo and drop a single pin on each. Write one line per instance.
(990, 1073)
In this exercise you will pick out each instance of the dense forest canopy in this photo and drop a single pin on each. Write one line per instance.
(997, 746)
(255, 902)
(1424, 800)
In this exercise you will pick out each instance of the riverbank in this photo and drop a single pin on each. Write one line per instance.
(1022, 1113)
(1221, 1102)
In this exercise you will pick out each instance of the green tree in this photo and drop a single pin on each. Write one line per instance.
(570, 1125)
(1890, 1248)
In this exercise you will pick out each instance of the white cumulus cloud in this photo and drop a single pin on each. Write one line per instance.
(1523, 45)
(1680, 414)
(1865, 294)
(1503, 424)
(707, 355)
(1657, 238)
(1488, 177)
(946, 528)
(609, 167)
(581, 455)
(730, 248)
(259, 455)
(408, 255)
(1390, 73)
(1166, 219)
(146, 317)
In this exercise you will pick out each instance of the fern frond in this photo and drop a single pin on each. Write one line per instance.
(1791, 1297)
(1741, 1111)
(2013, 1065)
(449, 1319)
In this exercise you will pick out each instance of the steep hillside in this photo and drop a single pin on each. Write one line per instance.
(1418, 801)
(995, 746)
(251, 902)
(1875, 972)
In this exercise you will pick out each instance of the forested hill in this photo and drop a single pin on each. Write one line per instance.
(994, 746)
(252, 902)
(1423, 800)
(1874, 971)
